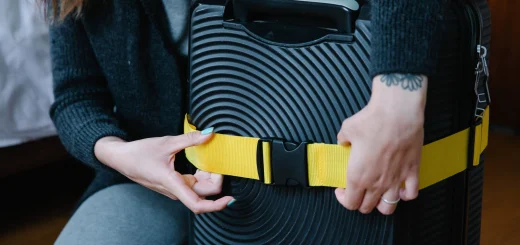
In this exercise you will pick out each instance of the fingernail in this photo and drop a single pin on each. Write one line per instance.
(231, 202)
(207, 131)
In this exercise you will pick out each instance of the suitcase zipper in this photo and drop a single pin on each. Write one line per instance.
(481, 68)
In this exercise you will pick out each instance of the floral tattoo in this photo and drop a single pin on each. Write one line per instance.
(410, 82)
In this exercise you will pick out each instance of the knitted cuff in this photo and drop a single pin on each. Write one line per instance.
(80, 127)
(404, 36)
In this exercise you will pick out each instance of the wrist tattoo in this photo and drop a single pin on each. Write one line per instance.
(410, 82)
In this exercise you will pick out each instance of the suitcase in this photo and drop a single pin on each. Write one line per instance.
(253, 72)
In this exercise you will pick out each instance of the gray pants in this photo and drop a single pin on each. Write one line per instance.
(127, 214)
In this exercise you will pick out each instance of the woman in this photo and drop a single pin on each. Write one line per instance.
(119, 70)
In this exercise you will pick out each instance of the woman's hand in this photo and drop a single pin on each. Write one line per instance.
(151, 163)
(386, 139)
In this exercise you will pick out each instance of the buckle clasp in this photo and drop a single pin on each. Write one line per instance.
(288, 162)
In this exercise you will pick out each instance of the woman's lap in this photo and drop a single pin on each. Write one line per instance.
(127, 214)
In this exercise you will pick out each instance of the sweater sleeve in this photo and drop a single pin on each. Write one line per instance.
(83, 111)
(405, 36)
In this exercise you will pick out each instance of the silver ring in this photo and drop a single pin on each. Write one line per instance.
(390, 202)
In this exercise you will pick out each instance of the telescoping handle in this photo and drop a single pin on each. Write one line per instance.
(330, 14)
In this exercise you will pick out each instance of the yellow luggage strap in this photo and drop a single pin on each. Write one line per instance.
(274, 161)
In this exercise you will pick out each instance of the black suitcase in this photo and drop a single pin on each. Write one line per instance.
(268, 77)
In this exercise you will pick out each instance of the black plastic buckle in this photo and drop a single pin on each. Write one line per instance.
(288, 162)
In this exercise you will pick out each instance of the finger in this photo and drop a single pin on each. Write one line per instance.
(370, 201)
(199, 205)
(180, 142)
(208, 184)
(217, 178)
(344, 135)
(350, 197)
(201, 174)
(193, 201)
(189, 179)
(202, 184)
(207, 206)
(411, 189)
(391, 195)
(212, 177)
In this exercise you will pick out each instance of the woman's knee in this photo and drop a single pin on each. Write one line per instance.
(127, 214)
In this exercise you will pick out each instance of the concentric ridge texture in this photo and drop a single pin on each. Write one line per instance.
(242, 86)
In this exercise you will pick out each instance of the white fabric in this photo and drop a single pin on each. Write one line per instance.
(25, 73)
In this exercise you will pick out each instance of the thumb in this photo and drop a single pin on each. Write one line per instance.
(183, 141)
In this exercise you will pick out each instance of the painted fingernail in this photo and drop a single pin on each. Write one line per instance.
(231, 202)
(207, 131)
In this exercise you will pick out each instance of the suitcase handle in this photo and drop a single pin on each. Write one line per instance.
(325, 14)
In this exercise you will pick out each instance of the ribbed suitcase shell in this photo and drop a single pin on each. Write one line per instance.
(243, 86)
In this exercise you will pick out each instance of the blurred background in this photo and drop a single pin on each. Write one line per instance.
(40, 183)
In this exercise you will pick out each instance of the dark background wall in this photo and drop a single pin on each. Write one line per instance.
(505, 63)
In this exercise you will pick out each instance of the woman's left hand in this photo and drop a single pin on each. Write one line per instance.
(386, 139)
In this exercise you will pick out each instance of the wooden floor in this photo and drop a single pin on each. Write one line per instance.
(45, 212)
(501, 198)
(35, 207)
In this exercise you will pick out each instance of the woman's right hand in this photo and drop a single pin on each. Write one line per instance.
(151, 163)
